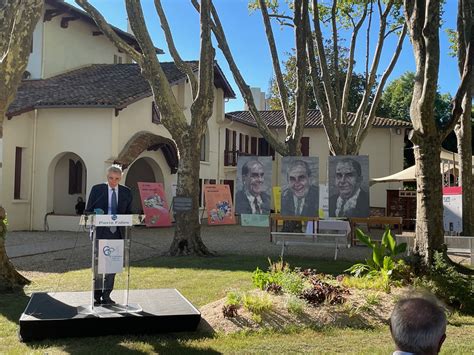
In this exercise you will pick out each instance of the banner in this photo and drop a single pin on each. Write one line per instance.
(452, 212)
(110, 255)
(154, 204)
(277, 198)
(218, 204)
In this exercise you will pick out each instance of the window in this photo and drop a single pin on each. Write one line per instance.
(305, 146)
(18, 163)
(117, 59)
(75, 177)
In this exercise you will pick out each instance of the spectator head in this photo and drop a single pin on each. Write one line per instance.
(114, 175)
(418, 326)
(348, 177)
(298, 176)
(253, 177)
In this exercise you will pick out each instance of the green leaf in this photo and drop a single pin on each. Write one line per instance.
(364, 238)
(400, 248)
(388, 264)
(389, 241)
(377, 256)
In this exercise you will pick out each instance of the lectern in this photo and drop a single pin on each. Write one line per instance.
(110, 256)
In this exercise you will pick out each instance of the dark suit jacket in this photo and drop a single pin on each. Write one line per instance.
(242, 204)
(310, 207)
(362, 206)
(99, 198)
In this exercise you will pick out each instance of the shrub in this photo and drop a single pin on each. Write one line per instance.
(295, 305)
(448, 284)
(382, 264)
(256, 304)
(292, 282)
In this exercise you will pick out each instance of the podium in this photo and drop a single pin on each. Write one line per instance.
(110, 257)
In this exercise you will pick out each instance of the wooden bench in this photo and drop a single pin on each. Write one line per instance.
(372, 221)
(311, 236)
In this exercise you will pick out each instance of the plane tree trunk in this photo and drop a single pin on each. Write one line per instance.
(187, 133)
(17, 22)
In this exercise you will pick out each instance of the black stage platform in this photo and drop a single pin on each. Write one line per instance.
(56, 315)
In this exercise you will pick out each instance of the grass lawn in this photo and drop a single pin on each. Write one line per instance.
(203, 280)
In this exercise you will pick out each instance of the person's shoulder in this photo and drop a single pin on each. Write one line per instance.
(99, 186)
(124, 188)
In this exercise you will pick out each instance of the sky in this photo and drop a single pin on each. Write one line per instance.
(246, 37)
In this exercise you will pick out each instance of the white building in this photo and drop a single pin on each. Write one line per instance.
(85, 105)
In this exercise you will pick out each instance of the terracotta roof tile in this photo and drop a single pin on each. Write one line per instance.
(275, 119)
(97, 85)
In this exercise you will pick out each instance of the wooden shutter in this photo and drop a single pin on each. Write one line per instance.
(305, 146)
(17, 187)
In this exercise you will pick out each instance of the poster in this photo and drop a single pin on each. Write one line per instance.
(154, 204)
(110, 255)
(452, 209)
(300, 186)
(254, 180)
(348, 181)
(218, 205)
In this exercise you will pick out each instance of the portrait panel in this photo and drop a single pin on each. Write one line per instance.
(254, 181)
(348, 180)
(300, 186)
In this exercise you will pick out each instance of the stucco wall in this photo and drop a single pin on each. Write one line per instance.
(74, 46)
(36, 56)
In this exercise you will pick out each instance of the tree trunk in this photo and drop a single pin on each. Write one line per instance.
(429, 215)
(9, 277)
(464, 138)
(187, 236)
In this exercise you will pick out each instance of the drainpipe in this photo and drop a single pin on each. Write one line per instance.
(33, 169)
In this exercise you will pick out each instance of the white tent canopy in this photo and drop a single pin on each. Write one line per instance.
(449, 161)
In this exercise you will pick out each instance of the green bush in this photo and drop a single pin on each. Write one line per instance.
(257, 304)
(295, 305)
(382, 265)
(448, 284)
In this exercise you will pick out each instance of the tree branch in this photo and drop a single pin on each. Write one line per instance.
(218, 31)
(180, 64)
(201, 108)
(283, 93)
(108, 31)
(360, 136)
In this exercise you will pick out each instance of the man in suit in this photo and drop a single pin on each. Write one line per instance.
(300, 198)
(109, 198)
(252, 199)
(418, 326)
(351, 200)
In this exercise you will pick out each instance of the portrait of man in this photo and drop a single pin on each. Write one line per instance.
(300, 195)
(253, 180)
(349, 186)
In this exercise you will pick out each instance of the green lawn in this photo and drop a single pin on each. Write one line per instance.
(203, 280)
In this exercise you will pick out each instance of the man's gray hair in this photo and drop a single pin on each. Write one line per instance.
(114, 168)
(418, 325)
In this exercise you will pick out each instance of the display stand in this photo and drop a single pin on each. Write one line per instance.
(110, 256)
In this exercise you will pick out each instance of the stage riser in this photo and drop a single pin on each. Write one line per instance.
(164, 310)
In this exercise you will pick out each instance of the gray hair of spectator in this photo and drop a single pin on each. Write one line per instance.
(246, 167)
(114, 169)
(355, 164)
(418, 325)
(298, 162)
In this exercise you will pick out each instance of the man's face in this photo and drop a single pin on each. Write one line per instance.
(254, 180)
(347, 180)
(298, 181)
(113, 179)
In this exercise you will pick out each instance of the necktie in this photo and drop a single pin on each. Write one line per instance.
(257, 206)
(113, 208)
(298, 207)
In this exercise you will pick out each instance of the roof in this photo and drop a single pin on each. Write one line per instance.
(274, 119)
(79, 13)
(449, 162)
(98, 85)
